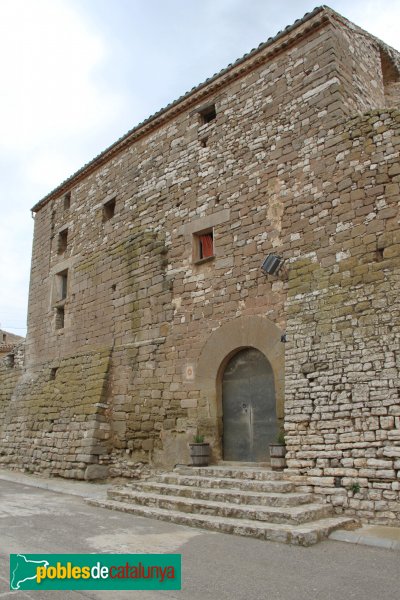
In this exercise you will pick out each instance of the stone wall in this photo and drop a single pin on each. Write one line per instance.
(134, 284)
(343, 310)
(11, 369)
(8, 377)
(54, 420)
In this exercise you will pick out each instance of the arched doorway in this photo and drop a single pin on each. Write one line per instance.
(248, 406)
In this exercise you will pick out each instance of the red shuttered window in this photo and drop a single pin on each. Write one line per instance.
(206, 245)
(203, 246)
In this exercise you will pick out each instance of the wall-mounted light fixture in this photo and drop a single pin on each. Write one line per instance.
(272, 264)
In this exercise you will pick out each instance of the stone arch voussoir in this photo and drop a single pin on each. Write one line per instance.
(250, 331)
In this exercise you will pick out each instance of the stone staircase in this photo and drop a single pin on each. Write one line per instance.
(251, 501)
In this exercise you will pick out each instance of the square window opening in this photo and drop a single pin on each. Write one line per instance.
(10, 360)
(208, 114)
(203, 246)
(62, 241)
(108, 210)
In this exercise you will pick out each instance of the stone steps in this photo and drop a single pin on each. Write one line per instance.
(303, 535)
(235, 496)
(255, 485)
(248, 473)
(272, 514)
(250, 501)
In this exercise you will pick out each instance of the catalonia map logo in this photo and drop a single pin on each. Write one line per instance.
(95, 571)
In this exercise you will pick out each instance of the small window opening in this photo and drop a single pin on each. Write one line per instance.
(114, 287)
(204, 245)
(62, 241)
(60, 315)
(208, 114)
(203, 142)
(108, 210)
(53, 373)
(64, 284)
(379, 255)
(61, 286)
(67, 201)
(10, 360)
(390, 73)
(4, 337)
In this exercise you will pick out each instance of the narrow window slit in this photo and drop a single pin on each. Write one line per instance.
(108, 210)
(60, 317)
(67, 201)
(62, 241)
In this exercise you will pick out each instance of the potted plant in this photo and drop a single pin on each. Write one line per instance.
(277, 452)
(199, 451)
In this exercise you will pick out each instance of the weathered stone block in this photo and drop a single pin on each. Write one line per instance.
(93, 472)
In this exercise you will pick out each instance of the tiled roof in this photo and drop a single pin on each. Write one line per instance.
(4, 348)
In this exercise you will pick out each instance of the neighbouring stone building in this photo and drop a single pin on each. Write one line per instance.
(8, 341)
(150, 318)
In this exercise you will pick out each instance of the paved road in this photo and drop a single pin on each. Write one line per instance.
(215, 566)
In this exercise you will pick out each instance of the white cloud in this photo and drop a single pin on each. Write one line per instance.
(379, 17)
(51, 101)
(14, 271)
(49, 168)
(48, 87)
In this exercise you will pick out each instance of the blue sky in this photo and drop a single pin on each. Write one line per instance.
(78, 74)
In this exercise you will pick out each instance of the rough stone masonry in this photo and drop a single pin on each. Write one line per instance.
(146, 276)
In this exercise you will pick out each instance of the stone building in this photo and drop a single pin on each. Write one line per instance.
(8, 343)
(151, 320)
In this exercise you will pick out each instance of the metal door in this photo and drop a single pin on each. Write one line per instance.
(248, 404)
